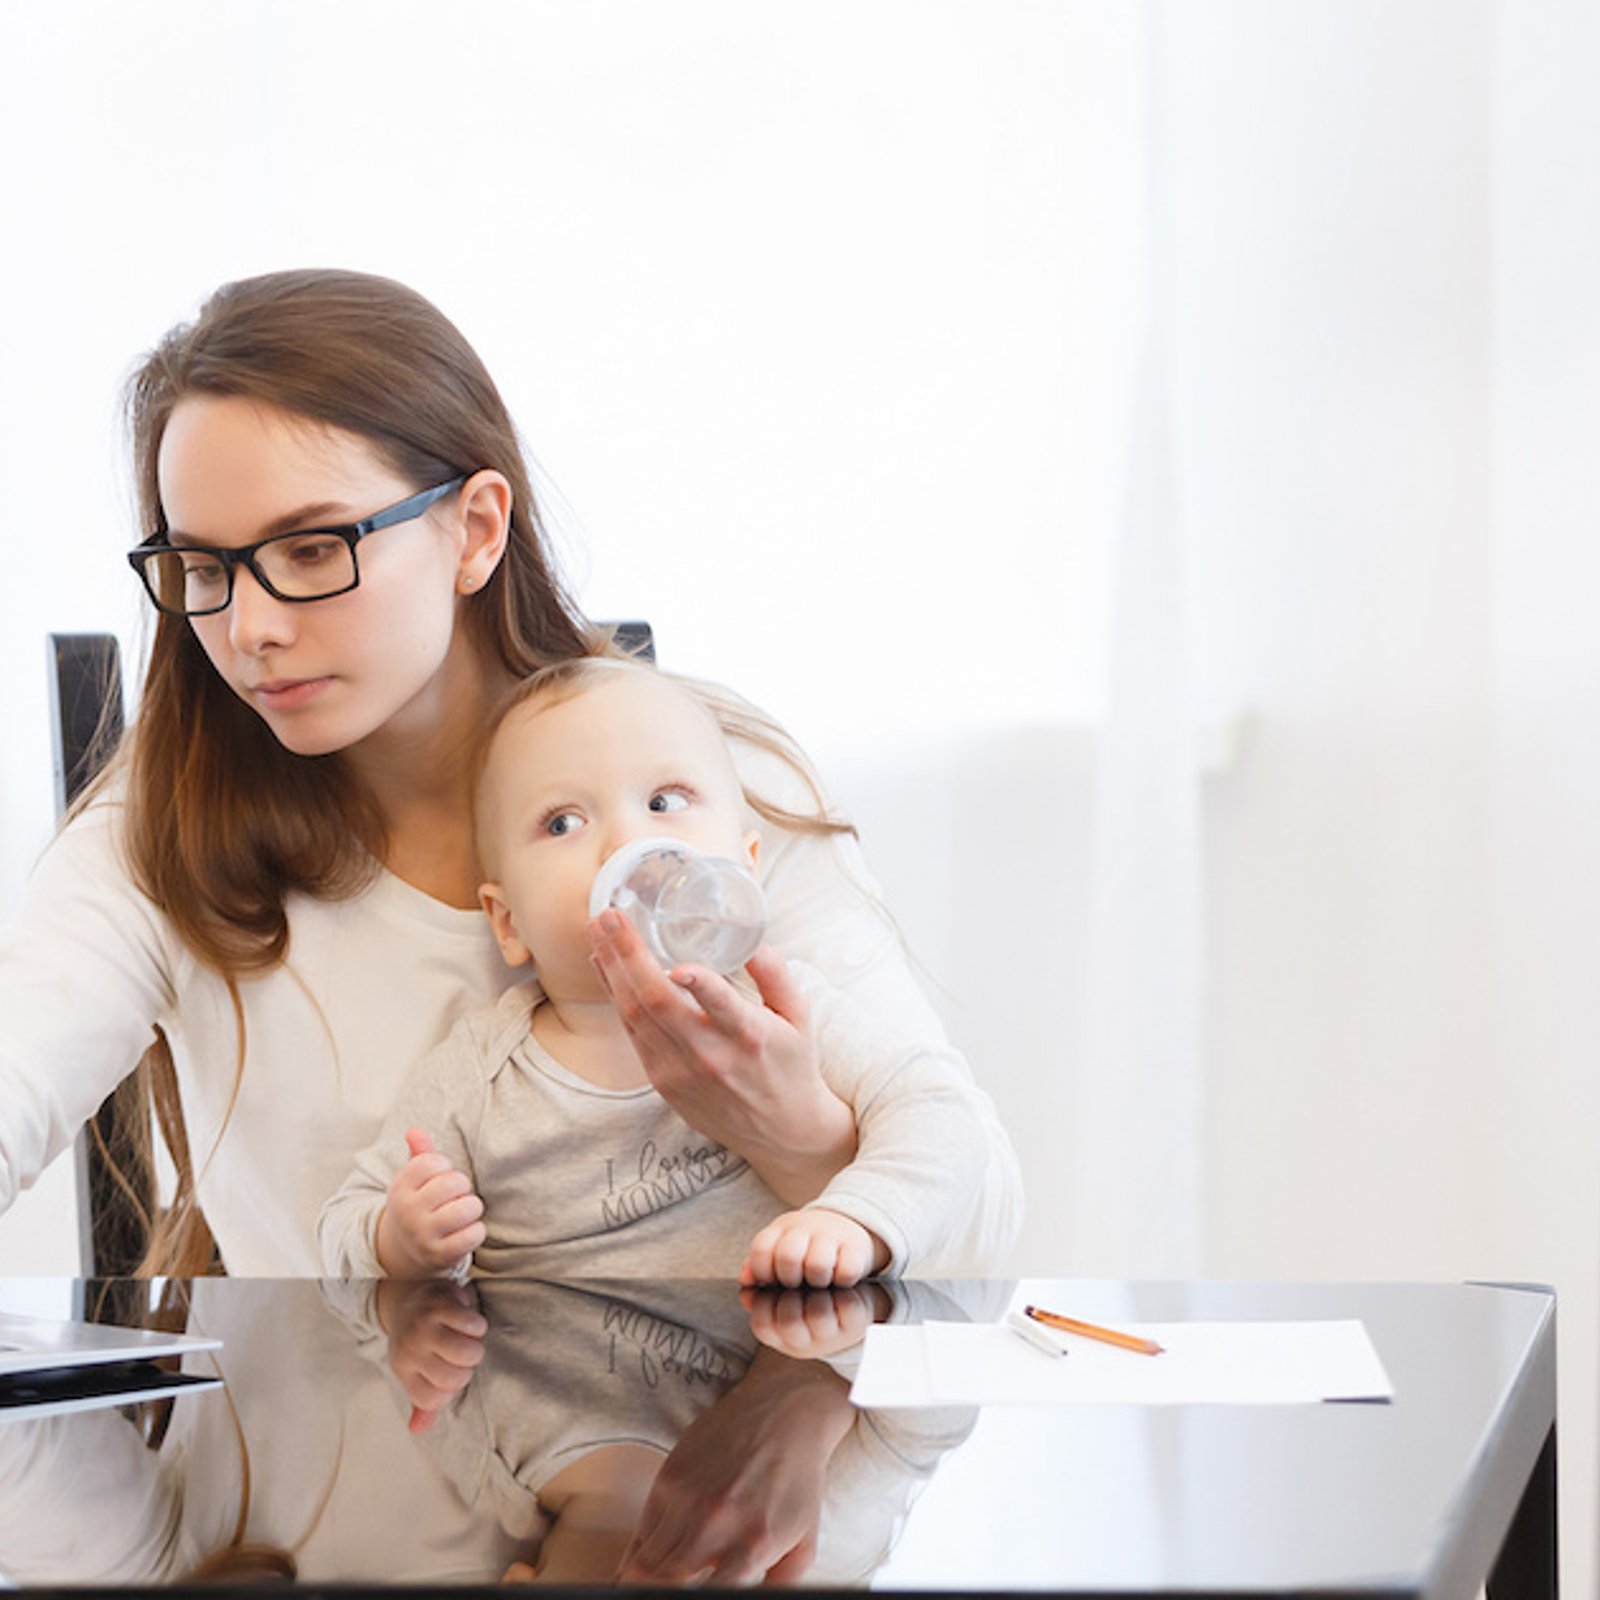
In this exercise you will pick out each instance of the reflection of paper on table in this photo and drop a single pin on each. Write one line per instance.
(1203, 1363)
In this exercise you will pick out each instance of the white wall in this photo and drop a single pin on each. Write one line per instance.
(786, 322)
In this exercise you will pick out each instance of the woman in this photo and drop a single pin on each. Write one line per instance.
(277, 873)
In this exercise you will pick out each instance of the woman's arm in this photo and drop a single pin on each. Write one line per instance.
(826, 912)
(738, 1078)
(739, 1497)
(85, 972)
(934, 1178)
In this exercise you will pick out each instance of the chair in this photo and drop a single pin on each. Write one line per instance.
(85, 706)
(634, 638)
(87, 719)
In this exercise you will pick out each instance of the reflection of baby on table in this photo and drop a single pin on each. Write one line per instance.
(659, 1432)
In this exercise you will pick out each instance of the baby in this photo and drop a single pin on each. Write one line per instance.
(531, 1141)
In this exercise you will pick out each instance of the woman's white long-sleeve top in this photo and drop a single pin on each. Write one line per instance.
(369, 984)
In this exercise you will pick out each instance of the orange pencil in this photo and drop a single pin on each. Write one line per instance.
(1092, 1330)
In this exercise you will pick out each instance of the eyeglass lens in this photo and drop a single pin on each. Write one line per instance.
(297, 566)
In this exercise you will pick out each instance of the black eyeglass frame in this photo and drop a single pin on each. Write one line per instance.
(407, 510)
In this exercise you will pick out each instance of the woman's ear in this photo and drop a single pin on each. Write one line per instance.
(492, 898)
(485, 511)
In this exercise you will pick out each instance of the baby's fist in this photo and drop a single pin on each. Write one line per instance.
(814, 1248)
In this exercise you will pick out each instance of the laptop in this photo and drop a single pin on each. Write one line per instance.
(32, 1344)
(49, 1367)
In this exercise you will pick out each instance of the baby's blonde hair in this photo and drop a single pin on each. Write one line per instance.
(738, 721)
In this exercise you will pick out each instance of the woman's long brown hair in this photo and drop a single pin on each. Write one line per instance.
(221, 821)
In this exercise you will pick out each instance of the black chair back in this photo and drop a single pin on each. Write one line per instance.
(112, 1163)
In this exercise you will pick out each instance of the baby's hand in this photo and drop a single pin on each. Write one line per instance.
(814, 1247)
(813, 1324)
(430, 1222)
(436, 1335)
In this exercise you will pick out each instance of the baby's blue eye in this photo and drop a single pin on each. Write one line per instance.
(563, 822)
(669, 800)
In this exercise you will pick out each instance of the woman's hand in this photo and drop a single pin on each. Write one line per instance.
(429, 1223)
(742, 1073)
(739, 1498)
(435, 1342)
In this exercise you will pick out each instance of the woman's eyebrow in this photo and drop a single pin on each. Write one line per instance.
(318, 513)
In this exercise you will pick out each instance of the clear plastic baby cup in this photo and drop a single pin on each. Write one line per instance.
(688, 906)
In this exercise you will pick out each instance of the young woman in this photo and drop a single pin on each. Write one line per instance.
(270, 897)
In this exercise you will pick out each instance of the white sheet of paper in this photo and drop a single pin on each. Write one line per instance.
(1203, 1363)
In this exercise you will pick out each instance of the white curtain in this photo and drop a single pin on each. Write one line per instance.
(1140, 1136)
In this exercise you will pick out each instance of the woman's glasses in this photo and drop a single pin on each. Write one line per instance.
(194, 580)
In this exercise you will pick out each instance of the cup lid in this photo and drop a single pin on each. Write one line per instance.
(616, 867)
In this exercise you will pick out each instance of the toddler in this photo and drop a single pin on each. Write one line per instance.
(531, 1141)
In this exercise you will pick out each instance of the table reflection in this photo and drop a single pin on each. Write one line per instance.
(430, 1432)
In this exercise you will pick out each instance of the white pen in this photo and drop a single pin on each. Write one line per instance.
(1039, 1337)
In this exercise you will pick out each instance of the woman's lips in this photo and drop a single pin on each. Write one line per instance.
(285, 694)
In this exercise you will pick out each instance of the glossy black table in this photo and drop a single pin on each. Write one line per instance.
(312, 1461)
